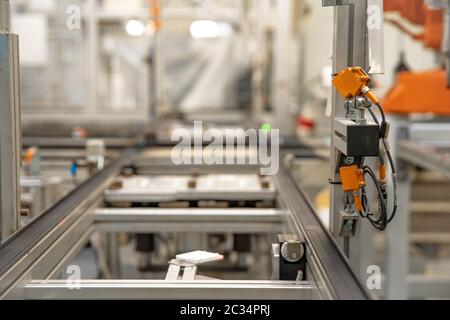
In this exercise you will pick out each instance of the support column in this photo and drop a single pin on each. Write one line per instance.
(355, 44)
(397, 241)
(350, 49)
(10, 129)
(284, 117)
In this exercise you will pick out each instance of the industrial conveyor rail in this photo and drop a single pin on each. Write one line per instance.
(32, 260)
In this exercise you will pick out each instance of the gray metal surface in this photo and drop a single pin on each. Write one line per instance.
(424, 145)
(204, 290)
(31, 260)
(4, 16)
(19, 254)
(434, 133)
(240, 220)
(176, 188)
(351, 48)
(325, 260)
(425, 156)
(397, 234)
(10, 153)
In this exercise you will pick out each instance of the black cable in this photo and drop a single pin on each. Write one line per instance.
(383, 115)
(374, 117)
(382, 221)
(389, 155)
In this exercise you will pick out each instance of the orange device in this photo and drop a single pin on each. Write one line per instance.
(434, 29)
(155, 13)
(413, 10)
(383, 173)
(29, 155)
(417, 12)
(353, 180)
(419, 92)
(353, 82)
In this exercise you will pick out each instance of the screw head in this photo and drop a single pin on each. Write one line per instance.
(349, 160)
(349, 225)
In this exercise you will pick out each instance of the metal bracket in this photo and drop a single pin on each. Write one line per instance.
(289, 258)
(349, 223)
(189, 271)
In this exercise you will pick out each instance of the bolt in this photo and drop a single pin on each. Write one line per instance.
(349, 160)
(349, 225)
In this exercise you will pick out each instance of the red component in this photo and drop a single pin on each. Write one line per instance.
(392, 5)
(413, 10)
(306, 123)
(417, 12)
(434, 29)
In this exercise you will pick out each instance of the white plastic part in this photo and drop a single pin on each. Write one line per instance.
(199, 257)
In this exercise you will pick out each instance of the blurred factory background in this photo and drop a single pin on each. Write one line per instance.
(100, 76)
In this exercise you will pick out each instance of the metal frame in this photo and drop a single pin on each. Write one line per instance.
(190, 220)
(198, 290)
(350, 49)
(284, 118)
(424, 145)
(33, 259)
(10, 143)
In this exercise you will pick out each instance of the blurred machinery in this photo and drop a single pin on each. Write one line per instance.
(424, 91)
(418, 107)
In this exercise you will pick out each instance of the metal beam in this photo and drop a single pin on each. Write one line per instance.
(350, 49)
(190, 220)
(397, 235)
(10, 130)
(142, 289)
(282, 97)
(327, 262)
(427, 287)
(20, 253)
(190, 215)
(425, 156)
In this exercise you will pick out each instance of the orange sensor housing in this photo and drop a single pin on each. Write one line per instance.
(350, 81)
(352, 178)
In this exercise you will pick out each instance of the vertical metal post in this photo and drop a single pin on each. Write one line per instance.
(397, 242)
(447, 43)
(162, 107)
(113, 254)
(93, 36)
(284, 117)
(260, 60)
(10, 130)
(350, 48)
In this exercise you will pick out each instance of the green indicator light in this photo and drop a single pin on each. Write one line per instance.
(266, 127)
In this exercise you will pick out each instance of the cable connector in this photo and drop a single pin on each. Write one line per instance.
(384, 129)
